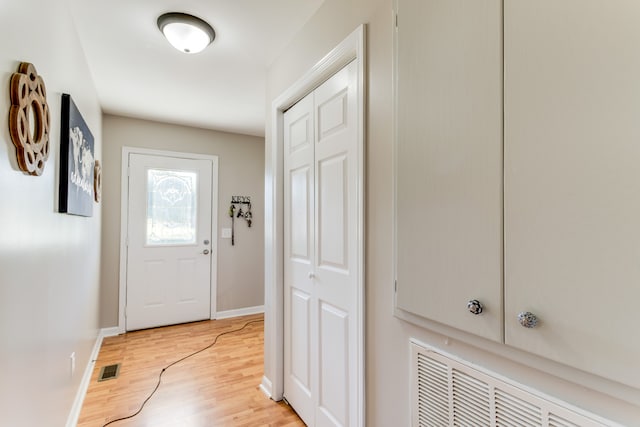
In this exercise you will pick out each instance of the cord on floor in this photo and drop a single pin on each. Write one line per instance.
(215, 340)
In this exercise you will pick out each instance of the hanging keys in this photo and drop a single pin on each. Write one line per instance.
(248, 216)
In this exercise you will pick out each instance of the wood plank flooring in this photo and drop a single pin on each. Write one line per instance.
(217, 387)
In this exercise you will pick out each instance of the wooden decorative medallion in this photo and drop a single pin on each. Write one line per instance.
(29, 119)
(97, 181)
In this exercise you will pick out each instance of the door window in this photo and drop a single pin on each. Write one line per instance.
(171, 207)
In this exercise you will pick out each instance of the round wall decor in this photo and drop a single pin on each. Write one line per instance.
(29, 119)
(97, 181)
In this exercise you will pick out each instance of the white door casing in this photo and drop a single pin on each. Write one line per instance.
(321, 252)
(352, 48)
(172, 279)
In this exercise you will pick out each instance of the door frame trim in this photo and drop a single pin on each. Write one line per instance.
(124, 224)
(350, 49)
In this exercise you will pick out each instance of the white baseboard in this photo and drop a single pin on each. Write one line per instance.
(72, 420)
(266, 386)
(110, 332)
(240, 312)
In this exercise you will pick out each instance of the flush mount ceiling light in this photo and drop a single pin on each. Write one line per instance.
(187, 33)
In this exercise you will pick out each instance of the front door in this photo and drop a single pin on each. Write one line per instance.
(321, 250)
(169, 241)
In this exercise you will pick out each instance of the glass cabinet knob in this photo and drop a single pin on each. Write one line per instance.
(527, 319)
(474, 306)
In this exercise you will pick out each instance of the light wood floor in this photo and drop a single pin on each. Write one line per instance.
(217, 387)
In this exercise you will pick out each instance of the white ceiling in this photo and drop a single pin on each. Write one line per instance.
(137, 73)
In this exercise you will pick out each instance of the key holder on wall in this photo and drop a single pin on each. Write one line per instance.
(246, 214)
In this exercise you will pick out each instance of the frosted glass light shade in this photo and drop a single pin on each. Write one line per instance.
(186, 33)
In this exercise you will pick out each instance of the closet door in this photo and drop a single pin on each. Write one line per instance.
(572, 182)
(449, 162)
(301, 348)
(322, 170)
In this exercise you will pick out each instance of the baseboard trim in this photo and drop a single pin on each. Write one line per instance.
(240, 312)
(266, 386)
(72, 420)
(110, 332)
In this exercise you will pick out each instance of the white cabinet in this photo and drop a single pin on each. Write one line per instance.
(564, 199)
(572, 182)
(449, 162)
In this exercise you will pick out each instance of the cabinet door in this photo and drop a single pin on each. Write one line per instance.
(572, 182)
(449, 162)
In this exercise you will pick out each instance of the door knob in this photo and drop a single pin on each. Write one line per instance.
(528, 319)
(206, 252)
(474, 306)
(311, 275)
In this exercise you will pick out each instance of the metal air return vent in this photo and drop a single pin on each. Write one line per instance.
(446, 392)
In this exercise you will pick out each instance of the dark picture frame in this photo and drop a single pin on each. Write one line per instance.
(77, 161)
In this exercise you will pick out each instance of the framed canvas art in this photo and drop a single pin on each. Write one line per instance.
(76, 162)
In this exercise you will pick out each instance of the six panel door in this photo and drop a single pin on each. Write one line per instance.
(322, 170)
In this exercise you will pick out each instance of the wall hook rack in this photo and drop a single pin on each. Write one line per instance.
(244, 200)
(246, 214)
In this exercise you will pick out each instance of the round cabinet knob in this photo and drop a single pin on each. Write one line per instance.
(474, 306)
(527, 319)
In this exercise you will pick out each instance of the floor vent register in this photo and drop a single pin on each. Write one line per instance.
(109, 372)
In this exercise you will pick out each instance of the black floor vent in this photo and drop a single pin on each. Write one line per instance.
(109, 372)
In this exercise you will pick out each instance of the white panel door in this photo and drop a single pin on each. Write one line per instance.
(321, 252)
(300, 345)
(572, 182)
(169, 241)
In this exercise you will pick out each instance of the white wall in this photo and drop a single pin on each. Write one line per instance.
(241, 173)
(49, 262)
(387, 338)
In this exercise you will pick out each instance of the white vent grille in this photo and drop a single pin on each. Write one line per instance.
(433, 391)
(556, 421)
(471, 400)
(449, 393)
(511, 411)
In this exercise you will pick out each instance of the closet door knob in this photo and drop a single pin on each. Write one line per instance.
(527, 319)
(474, 306)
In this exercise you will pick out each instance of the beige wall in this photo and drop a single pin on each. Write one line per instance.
(49, 262)
(241, 173)
(387, 338)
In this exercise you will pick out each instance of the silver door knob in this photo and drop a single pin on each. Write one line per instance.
(311, 275)
(528, 319)
(206, 252)
(474, 306)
